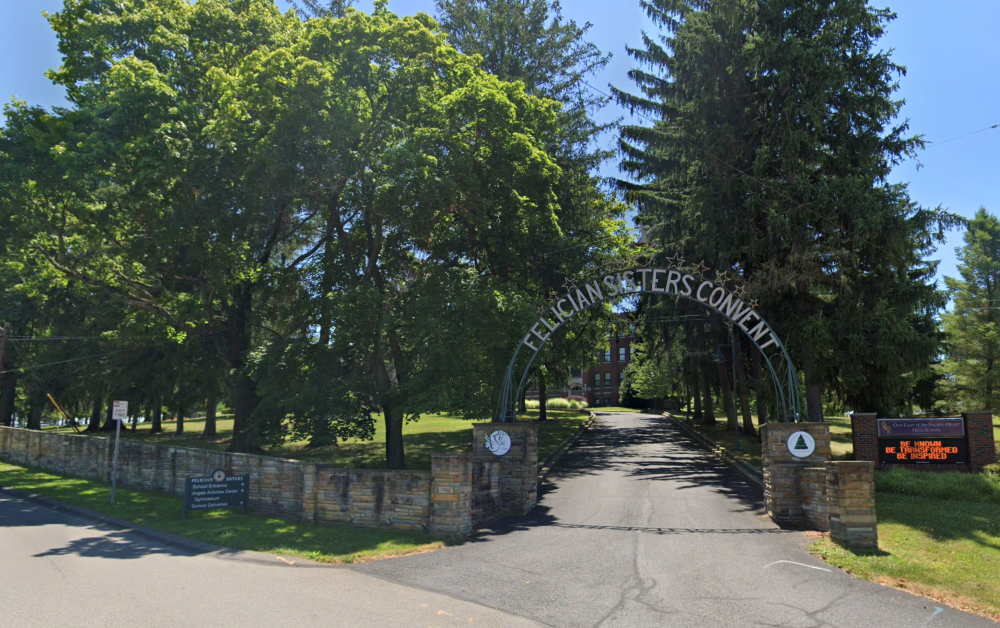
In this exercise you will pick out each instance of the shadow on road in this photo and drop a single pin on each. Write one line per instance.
(97, 540)
(678, 458)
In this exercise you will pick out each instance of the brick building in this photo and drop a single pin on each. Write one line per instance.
(603, 381)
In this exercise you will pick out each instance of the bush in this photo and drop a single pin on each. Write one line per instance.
(531, 404)
(557, 403)
(969, 487)
(581, 401)
(992, 469)
(574, 404)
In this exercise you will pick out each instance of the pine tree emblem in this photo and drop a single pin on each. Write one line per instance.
(801, 443)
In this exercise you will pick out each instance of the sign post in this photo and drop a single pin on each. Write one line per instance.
(119, 413)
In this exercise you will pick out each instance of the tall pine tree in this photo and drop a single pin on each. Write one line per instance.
(775, 129)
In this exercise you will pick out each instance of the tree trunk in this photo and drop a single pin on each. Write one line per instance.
(156, 414)
(696, 384)
(522, 403)
(245, 399)
(741, 380)
(36, 407)
(814, 393)
(211, 401)
(180, 418)
(95, 411)
(543, 397)
(109, 424)
(988, 405)
(756, 371)
(727, 398)
(394, 454)
(8, 395)
(706, 391)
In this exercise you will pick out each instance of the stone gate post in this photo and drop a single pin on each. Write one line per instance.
(518, 465)
(784, 490)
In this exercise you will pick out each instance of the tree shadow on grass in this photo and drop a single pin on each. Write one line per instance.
(943, 520)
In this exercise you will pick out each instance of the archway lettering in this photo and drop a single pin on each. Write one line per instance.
(690, 284)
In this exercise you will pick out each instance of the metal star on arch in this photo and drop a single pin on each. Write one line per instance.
(723, 277)
(675, 262)
(700, 268)
(754, 304)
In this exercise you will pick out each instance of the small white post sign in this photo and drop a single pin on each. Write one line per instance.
(119, 414)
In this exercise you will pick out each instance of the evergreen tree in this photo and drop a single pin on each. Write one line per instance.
(774, 132)
(973, 325)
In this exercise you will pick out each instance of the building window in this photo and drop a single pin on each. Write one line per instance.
(622, 354)
(621, 377)
(597, 380)
(607, 355)
(607, 380)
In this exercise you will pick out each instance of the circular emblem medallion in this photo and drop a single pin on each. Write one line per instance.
(219, 475)
(498, 443)
(801, 444)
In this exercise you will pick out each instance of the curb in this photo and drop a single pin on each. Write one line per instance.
(552, 459)
(753, 474)
(190, 546)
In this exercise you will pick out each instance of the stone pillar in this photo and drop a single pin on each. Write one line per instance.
(982, 446)
(815, 510)
(850, 489)
(864, 434)
(451, 494)
(783, 496)
(518, 466)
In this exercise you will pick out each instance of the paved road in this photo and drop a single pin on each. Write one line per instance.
(57, 570)
(640, 528)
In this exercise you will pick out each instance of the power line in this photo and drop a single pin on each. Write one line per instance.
(87, 357)
(958, 137)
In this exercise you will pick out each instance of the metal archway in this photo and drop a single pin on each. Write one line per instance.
(667, 281)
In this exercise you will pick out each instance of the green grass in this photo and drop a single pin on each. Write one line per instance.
(432, 433)
(969, 487)
(944, 549)
(329, 543)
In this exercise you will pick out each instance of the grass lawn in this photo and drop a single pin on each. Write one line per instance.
(329, 543)
(433, 433)
(945, 550)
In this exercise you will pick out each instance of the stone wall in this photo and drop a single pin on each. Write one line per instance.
(850, 488)
(310, 491)
(783, 494)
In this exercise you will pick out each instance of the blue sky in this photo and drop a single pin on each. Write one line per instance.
(952, 87)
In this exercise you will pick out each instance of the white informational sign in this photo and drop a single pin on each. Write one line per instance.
(801, 444)
(498, 443)
(119, 411)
